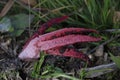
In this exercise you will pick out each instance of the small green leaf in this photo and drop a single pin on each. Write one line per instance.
(116, 59)
(50, 29)
(20, 22)
(38, 66)
(5, 25)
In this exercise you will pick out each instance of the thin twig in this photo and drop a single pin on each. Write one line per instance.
(112, 30)
(100, 70)
(3, 2)
(7, 51)
(4, 49)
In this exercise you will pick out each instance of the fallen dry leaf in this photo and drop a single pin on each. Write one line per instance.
(6, 8)
(116, 17)
(29, 2)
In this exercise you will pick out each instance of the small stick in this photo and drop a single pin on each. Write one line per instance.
(7, 51)
(100, 70)
(4, 49)
(112, 30)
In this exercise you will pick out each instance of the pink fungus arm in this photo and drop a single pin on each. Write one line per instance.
(65, 31)
(66, 40)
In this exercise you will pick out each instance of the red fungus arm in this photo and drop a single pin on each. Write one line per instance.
(69, 53)
(51, 22)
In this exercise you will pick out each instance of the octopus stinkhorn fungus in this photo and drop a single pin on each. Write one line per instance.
(53, 42)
